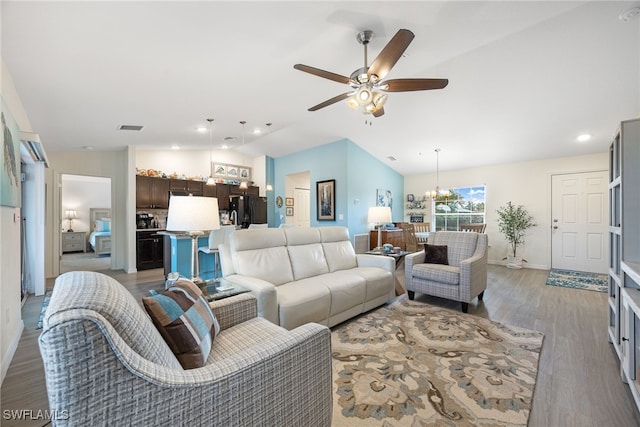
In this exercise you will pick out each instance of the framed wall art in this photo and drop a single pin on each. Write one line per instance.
(288, 201)
(326, 194)
(235, 172)
(10, 162)
(219, 170)
(289, 211)
(383, 198)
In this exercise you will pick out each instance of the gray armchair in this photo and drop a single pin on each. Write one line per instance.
(463, 279)
(106, 364)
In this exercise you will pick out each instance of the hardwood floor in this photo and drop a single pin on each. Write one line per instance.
(579, 375)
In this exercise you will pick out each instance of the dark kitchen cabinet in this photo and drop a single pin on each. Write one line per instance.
(152, 192)
(149, 250)
(187, 186)
(222, 193)
(210, 190)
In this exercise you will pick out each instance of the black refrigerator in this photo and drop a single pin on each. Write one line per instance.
(248, 210)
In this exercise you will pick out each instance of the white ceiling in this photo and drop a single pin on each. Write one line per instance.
(525, 78)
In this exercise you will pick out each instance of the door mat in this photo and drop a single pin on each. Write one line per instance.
(578, 280)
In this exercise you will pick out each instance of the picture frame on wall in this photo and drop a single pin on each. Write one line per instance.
(245, 173)
(326, 200)
(289, 210)
(384, 198)
(219, 169)
(232, 171)
(288, 201)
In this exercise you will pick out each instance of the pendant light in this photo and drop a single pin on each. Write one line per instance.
(436, 193)
(211, 180)
(243, 184)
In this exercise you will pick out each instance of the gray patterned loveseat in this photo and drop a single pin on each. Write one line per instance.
(106, 364)
(461, 276)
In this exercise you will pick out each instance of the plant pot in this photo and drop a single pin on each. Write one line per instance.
(514, 262)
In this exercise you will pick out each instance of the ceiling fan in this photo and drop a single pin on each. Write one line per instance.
(367, 84)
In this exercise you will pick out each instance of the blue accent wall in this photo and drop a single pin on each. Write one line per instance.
(358, 176)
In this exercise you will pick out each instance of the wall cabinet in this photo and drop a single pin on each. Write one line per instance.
(189, 186)
(624, 252)
(149, 250)
(152, 192)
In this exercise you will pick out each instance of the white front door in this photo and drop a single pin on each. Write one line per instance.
(301, 212)
(579, 221)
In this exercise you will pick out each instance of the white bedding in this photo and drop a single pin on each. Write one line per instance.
(92, 237)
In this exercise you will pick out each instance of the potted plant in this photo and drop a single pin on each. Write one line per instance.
(513, 222)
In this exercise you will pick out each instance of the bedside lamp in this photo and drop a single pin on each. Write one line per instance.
(193, 215)
(70, 214)
(379, 215)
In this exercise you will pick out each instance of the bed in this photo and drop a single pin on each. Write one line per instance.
(100, 237)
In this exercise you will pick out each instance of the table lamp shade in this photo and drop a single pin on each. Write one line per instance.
(193, 213)
(379, 214)
(70, 214)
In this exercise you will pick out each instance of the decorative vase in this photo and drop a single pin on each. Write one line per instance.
(514, 262)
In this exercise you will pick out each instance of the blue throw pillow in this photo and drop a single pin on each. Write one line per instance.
(185, 321)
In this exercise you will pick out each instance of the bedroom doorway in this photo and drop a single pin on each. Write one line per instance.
(85, 213)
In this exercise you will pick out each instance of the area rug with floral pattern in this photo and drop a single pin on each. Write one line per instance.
(413, 364)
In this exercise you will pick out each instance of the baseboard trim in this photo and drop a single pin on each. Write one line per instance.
(11, 351)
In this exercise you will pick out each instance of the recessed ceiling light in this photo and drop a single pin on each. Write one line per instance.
(225, 147)
(202, 129)
(257, 131)
(175, 147)
(584, 137)
(87, 147)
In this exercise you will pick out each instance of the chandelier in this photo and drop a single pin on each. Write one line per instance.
(434, 194)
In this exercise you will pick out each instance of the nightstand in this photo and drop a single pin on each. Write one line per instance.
(73, 241)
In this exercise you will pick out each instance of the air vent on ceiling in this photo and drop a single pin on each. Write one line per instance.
(131, 127)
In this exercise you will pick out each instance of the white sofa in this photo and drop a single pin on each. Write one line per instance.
(302, 275)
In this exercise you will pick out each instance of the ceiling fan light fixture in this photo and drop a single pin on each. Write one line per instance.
(364, 96)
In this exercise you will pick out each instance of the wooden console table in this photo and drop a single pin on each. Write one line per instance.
(395, 237)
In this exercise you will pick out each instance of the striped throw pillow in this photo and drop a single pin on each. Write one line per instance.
(185, 321)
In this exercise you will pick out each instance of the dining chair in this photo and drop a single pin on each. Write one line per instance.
(422, 230)
(409, 235)
(478, 228)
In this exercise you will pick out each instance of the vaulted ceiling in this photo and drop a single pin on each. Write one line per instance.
(525, 78)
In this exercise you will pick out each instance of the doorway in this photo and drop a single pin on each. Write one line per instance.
(298, 188)
(85, 204)
(579, 221)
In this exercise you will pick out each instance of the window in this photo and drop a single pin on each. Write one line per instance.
(463, 205)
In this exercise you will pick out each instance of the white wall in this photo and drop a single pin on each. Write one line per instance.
(11, 323)
(527, 183)
(189, 162)
(109, 164)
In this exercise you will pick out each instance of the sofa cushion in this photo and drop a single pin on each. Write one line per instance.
(379, 281)
(303, 301)
(337, 248)
(437, 273)
(347, 290)
(307, 260)
(435, 254)
(462, 245)
(185, 321)
(261, 253)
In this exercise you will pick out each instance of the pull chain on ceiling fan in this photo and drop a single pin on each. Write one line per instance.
(367, 85)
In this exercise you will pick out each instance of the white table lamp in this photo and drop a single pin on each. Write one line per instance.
(379, 215)
(70, 215)
(193, 215)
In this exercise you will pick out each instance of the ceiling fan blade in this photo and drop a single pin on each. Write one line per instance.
(390, 54)
(331, 101)
(322, 73)
(408, 85)
(379, 112)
